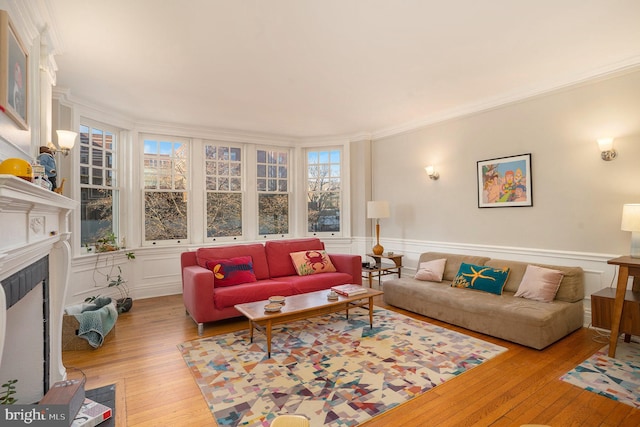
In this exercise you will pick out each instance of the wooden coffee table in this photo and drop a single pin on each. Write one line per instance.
(303, 306)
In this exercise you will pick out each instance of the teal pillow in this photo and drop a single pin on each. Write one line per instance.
(481, 278)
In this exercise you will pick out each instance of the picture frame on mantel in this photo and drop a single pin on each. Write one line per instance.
(505, 182)
(14, 79)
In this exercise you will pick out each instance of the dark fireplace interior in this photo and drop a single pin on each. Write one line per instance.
(27, 332)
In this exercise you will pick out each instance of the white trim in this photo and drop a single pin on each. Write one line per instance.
(566, 82)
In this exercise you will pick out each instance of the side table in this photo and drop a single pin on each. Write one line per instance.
(627, 266)
(381, 269)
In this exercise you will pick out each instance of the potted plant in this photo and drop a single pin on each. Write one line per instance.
(107, 243)
(106, 270)
(125, 302)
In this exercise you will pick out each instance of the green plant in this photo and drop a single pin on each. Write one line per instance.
(106, 270)
(107, 243)
(119, 283)
(9, 389)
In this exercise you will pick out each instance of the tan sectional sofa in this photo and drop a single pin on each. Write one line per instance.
(524, 321)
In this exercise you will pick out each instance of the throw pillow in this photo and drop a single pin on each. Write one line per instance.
(481, 277)
(539, 283)
(311, 262)
(232, 271)
(431, 270)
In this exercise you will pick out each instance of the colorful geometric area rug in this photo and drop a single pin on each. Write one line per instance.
(616, 378)
(336, 371)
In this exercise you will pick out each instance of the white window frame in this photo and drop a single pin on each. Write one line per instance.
(116, 168)
(187, 190)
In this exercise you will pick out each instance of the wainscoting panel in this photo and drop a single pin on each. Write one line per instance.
(597, 273)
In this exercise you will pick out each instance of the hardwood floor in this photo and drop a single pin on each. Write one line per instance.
(521, 386)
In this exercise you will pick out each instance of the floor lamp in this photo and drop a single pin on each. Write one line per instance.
(377, 209)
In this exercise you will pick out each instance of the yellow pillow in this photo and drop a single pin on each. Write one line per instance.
(311, 262)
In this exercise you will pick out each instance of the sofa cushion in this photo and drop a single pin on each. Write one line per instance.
(431, 270)
(453, 262)
(277, 252)
(232, 271)
(250, 292)
(311, 262)
(571, 287)
(255, 251)
(316, 282)
(481, 278)
(539, 283)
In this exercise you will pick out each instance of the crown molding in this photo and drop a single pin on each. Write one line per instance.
(592, 76)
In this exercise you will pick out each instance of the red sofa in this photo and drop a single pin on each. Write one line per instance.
(274, 271)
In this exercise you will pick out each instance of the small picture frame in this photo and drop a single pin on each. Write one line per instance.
(14, 73)
(505, 182)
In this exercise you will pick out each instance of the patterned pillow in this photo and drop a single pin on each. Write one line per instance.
(311, 262)
(232, 271)
(481, 277)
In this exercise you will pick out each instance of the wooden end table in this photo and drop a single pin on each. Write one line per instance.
(383, 269)
(627, 266)
(303, 306)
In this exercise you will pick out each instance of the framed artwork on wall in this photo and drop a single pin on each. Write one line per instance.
(505, 182)
(14, 60)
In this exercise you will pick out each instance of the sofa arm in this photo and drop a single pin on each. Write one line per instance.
(197, 292)
(351, 264)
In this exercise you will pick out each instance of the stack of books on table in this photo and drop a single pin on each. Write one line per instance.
(91, 414)
(349, 290)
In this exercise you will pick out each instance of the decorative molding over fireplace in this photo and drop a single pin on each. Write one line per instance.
(35, 224)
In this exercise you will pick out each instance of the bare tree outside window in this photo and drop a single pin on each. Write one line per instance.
(165, 184)
(323, 191)
(223, 174)
(272, 175)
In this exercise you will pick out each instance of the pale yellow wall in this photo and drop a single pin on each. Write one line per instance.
(577, 196)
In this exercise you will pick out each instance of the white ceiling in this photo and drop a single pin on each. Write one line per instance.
(315, 68)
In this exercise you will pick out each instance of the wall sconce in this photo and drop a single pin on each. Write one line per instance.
(432, 172)
(631, 222)
(66, 141)
(606, 149)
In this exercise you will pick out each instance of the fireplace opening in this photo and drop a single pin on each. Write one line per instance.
(27, 352)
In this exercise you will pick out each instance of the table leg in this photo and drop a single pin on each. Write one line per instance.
(268, 326)
(370, 279)
(616, 315)
(251, 331)
(371, 312)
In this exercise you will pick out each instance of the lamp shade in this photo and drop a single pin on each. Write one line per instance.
(66, 138)
(605, 144)
(630, 217)
(378, 209)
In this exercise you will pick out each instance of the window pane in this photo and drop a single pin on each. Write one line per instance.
(273, 217)
(224, 214)
(273, 198)
(98, 178)
(323, 185)
(96, 214)
(324, 212)
(165, 215)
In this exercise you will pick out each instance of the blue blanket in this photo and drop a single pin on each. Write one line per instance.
(96, 320)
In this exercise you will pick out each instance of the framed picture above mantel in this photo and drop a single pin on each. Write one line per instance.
(505, 182)
(14, 82)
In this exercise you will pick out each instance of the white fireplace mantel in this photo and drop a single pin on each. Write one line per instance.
(34, 223)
